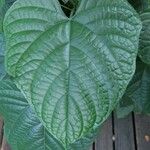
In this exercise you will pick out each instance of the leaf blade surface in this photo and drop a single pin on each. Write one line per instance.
(72, 70)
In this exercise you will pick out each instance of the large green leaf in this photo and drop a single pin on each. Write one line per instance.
(23, 129)
(72, 70)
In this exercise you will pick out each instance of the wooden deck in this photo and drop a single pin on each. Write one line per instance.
(131, 133)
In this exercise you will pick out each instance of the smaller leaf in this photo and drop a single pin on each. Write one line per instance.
(137, 96)
(141, 96)
(144, 52)
(125, 107)
(140, 5)
(136, 4)
(4, 5)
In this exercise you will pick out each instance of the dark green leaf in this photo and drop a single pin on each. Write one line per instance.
(137, 4)
(126, 105)
(137, 96)
(73, 71)
(144, 52)
(4, 5)
(141, 96)
(140, 5)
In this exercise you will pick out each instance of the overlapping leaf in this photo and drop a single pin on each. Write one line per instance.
(137, 96)
(139, 5)
(143, 8)
(144, 51)
(72, 70)
(23, 129)
(4, 5)
(141, 96)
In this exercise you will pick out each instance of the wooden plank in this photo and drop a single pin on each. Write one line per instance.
(5, 146)
(1, 131)
(142, 125)
(124, 133)
(104, 140)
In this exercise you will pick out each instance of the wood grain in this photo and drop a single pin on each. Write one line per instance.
(142, 125)
(1, 130)
(5, 146)
(124, 134)
(104, 141)
(91, 148)
(115, 134)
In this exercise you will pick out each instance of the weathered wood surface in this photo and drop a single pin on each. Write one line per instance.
(106, 133)
(1, 130)
(131, 133)
(124, 133)
(142, 125)
(5, 145)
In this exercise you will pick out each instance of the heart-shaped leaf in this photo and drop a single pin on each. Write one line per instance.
(23, 129)
(72, 70)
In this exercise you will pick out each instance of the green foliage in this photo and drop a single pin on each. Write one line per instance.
(23, 129)
(4, 5)
(72, 60)
(137, 96)
(144, 51)
(140, 5)
(73, 70)
(2, 46)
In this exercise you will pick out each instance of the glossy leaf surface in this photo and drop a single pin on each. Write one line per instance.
(73, 71)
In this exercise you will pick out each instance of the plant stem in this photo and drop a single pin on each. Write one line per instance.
(66, 7)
